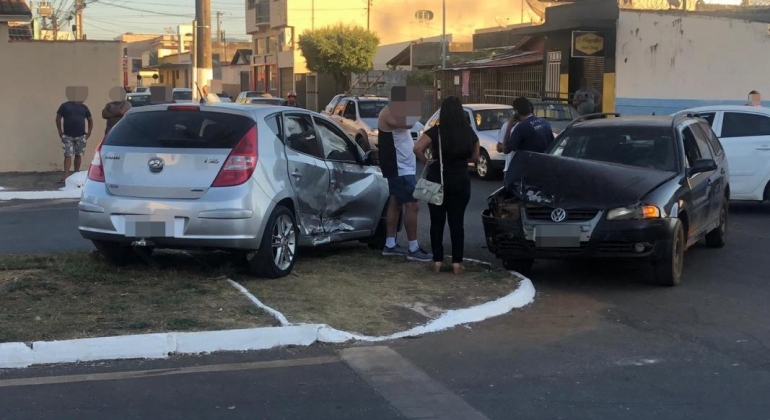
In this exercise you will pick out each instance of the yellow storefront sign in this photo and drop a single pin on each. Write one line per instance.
(587, 44)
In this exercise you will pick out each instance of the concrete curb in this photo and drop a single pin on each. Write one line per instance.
(161, 345)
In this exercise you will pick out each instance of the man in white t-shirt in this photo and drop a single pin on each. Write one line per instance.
(399, 165)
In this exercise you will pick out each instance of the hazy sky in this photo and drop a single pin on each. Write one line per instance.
(106, 19)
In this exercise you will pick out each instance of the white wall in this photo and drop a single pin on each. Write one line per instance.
(667, 62)
(29, 141)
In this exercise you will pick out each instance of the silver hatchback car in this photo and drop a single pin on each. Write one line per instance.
(261, 181)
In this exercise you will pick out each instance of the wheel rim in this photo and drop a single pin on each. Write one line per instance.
(481, 166)
(678, 254)
(284, 242)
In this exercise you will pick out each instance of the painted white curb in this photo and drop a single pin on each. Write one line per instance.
(161, 345)
(72, 189)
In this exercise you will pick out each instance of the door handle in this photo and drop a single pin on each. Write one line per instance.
(310, 137)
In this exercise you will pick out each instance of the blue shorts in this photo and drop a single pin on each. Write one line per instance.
(402, 187)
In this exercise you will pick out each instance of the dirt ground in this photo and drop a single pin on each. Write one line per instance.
(77, 295)
(30, 181)
(355, 289)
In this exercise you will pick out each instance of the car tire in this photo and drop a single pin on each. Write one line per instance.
(117, 254)
(484, 166)
(668, 270)
(522, 266)
(717, 238)
(278, 249)
(363, 143)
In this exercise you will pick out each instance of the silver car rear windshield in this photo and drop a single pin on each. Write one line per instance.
(179, 129)
(645, 147)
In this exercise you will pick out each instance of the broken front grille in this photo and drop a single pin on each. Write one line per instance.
(574, 215)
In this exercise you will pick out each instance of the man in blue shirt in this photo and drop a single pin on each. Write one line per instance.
(532, 134)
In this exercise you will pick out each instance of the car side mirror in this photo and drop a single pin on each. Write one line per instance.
(350, 117)
(703, 165)
(372, 158)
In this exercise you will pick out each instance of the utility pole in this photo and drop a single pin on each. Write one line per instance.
(55, 26)
(79, 6)
(219, 26)
(203, 44)
(368, 13)
(443, 34)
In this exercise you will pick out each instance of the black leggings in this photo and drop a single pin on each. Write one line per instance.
(457, 194)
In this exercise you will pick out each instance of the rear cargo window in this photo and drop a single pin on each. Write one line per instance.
(179, 129)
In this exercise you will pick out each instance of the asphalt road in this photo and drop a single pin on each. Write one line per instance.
(598, 343)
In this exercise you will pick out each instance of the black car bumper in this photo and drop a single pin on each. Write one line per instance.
(609, 240)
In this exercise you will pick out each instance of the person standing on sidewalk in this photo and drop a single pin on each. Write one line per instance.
(458, 145)
(71, 118)
(399, 166)
(291, 99)
(115, 109)
(502, 136)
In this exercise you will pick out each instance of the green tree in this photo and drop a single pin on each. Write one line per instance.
(339, 50)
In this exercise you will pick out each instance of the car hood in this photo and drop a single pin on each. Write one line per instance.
(557, 181)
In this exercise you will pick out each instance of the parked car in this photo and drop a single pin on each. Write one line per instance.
(619, 188)
(241, 98)
(744, 131)
(558, 114)
(138, 99)
(182, 95)
(256, 180)
(265, 101)
(357, 115)
(486, 120)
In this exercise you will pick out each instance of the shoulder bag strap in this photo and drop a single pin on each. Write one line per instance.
(440, 157)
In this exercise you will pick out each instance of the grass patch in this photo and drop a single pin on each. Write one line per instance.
(77, 295)
(356, 289)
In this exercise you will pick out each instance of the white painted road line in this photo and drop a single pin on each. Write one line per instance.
(408, 389)
(139, 374)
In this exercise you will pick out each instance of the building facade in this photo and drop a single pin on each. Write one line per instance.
(275, 26)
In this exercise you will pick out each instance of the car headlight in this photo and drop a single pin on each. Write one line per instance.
(634, 213)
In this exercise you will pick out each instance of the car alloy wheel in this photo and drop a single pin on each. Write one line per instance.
(482, 166)
(284, 242)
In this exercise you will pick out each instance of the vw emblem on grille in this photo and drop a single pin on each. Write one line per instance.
(156, 165)
(558, 215)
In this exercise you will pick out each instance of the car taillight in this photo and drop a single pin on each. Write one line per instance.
(184, 108)
(96, 170)
(241, 162)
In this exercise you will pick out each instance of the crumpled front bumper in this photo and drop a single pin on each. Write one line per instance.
(508, 240)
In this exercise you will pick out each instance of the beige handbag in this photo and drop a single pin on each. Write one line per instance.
(427, 191)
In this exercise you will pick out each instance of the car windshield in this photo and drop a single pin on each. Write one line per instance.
(645, 147)
(370, 109)
(179, 129)
(556, 112)
(183, 94)
(491, 119)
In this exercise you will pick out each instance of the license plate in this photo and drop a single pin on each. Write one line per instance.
(557, 236)
(149, 227)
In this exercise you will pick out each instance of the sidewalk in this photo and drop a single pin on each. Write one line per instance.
(39, 185)
(30, 181)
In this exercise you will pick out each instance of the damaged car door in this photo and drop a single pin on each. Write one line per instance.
(308, 173)
(700, 181)
(354, 203)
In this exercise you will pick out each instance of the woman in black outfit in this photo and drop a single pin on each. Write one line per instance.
(459, 145)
